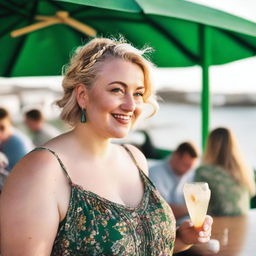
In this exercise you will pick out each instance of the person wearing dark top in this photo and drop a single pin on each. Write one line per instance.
(13, 143)
(39, 129)
(81, 194)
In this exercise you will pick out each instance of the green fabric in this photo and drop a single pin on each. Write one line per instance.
(228, 197)
(171, 27)
(95, 226)
(193, 12)
(124, 5)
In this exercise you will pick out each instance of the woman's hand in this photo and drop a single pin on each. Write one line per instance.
(189, 235)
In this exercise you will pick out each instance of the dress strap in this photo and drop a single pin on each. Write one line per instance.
(135, 162)
(57, 157)
(132, 156)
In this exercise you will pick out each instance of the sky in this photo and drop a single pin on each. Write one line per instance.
(235, 77)
(243, 8)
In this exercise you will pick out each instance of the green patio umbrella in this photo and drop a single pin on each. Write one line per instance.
(182, 34)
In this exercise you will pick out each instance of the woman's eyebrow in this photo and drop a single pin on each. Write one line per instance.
(118, 82)
(125, 85)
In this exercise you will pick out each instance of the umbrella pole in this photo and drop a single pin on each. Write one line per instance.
(205, 46)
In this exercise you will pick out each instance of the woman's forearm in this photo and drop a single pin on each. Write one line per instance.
(179, 245)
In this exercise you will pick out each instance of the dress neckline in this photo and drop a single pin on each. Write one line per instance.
(140, 207)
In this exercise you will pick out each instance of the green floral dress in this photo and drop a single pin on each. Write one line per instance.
(96, 226)
(228, 197)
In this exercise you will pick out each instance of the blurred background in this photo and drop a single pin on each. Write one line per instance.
(233, 97)
(178, 89)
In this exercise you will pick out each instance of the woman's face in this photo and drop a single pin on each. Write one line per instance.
(115, 100)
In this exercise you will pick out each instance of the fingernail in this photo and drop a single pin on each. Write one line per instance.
(202, 240)
(206, 227)
(201, 233)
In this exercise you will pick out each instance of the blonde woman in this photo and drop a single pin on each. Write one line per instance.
(230, 181)
(80, 194)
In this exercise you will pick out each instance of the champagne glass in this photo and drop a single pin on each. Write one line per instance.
(197, 197)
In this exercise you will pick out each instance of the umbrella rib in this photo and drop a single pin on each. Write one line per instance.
(55, 4)
(95, 17)
(14, 9)
(60, 17)
(34, 27)
(240, 41)
(185, 51)
(18, 51)
(78, 10)
(15, 57)
(64, 16)
(170, 37)
(6, 30)
(72, 13)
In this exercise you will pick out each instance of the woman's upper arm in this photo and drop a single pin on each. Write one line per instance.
(29, 214)
(139, 157)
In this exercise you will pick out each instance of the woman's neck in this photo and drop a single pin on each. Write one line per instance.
(90, 142)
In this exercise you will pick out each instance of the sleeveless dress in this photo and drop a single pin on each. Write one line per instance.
(95, 226)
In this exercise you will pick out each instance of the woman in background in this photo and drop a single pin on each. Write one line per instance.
(81, 194)
(230, 181)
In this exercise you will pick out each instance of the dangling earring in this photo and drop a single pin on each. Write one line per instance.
(83, 116)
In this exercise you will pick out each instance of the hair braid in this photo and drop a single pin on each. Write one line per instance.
(84, 67)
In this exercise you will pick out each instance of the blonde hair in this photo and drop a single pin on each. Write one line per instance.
(85, 65)
(222, 150)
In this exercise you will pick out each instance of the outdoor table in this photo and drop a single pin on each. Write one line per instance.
(237, 235)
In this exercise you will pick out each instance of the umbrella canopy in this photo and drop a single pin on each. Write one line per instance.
(175, 28)
(182, 34)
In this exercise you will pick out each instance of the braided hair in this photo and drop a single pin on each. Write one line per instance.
(85, 64)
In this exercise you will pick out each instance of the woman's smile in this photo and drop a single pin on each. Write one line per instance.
(122, 119)
(115, 101)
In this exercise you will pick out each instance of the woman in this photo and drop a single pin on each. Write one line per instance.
(95, 199)
(230, 181)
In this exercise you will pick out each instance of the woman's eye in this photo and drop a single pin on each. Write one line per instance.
(139, 94)
(116, 90)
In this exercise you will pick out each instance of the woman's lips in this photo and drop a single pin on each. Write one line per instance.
(123, 119)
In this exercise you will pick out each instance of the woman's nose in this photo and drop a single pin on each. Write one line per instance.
(128, 103)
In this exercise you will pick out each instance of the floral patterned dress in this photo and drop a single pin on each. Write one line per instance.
(96, 226)
(228, 197)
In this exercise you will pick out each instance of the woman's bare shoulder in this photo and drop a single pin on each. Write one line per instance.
(36, 168)
(30, 198)
(139, 157)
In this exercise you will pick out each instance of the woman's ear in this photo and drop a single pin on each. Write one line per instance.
(81, 95)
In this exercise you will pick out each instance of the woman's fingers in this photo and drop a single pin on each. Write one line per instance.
(205, 234)
(208, 220)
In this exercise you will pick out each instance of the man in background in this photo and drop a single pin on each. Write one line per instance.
(41, 131)
(13, 143)
(171, 174)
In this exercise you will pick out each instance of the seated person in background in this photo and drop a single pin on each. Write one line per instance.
(171, 174)
(3, 172)
(230, 181)
(13, 143)
(41, 131)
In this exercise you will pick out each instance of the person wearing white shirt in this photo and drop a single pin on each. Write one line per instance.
(170, 175)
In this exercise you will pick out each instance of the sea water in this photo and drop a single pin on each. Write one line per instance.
(175, 123)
